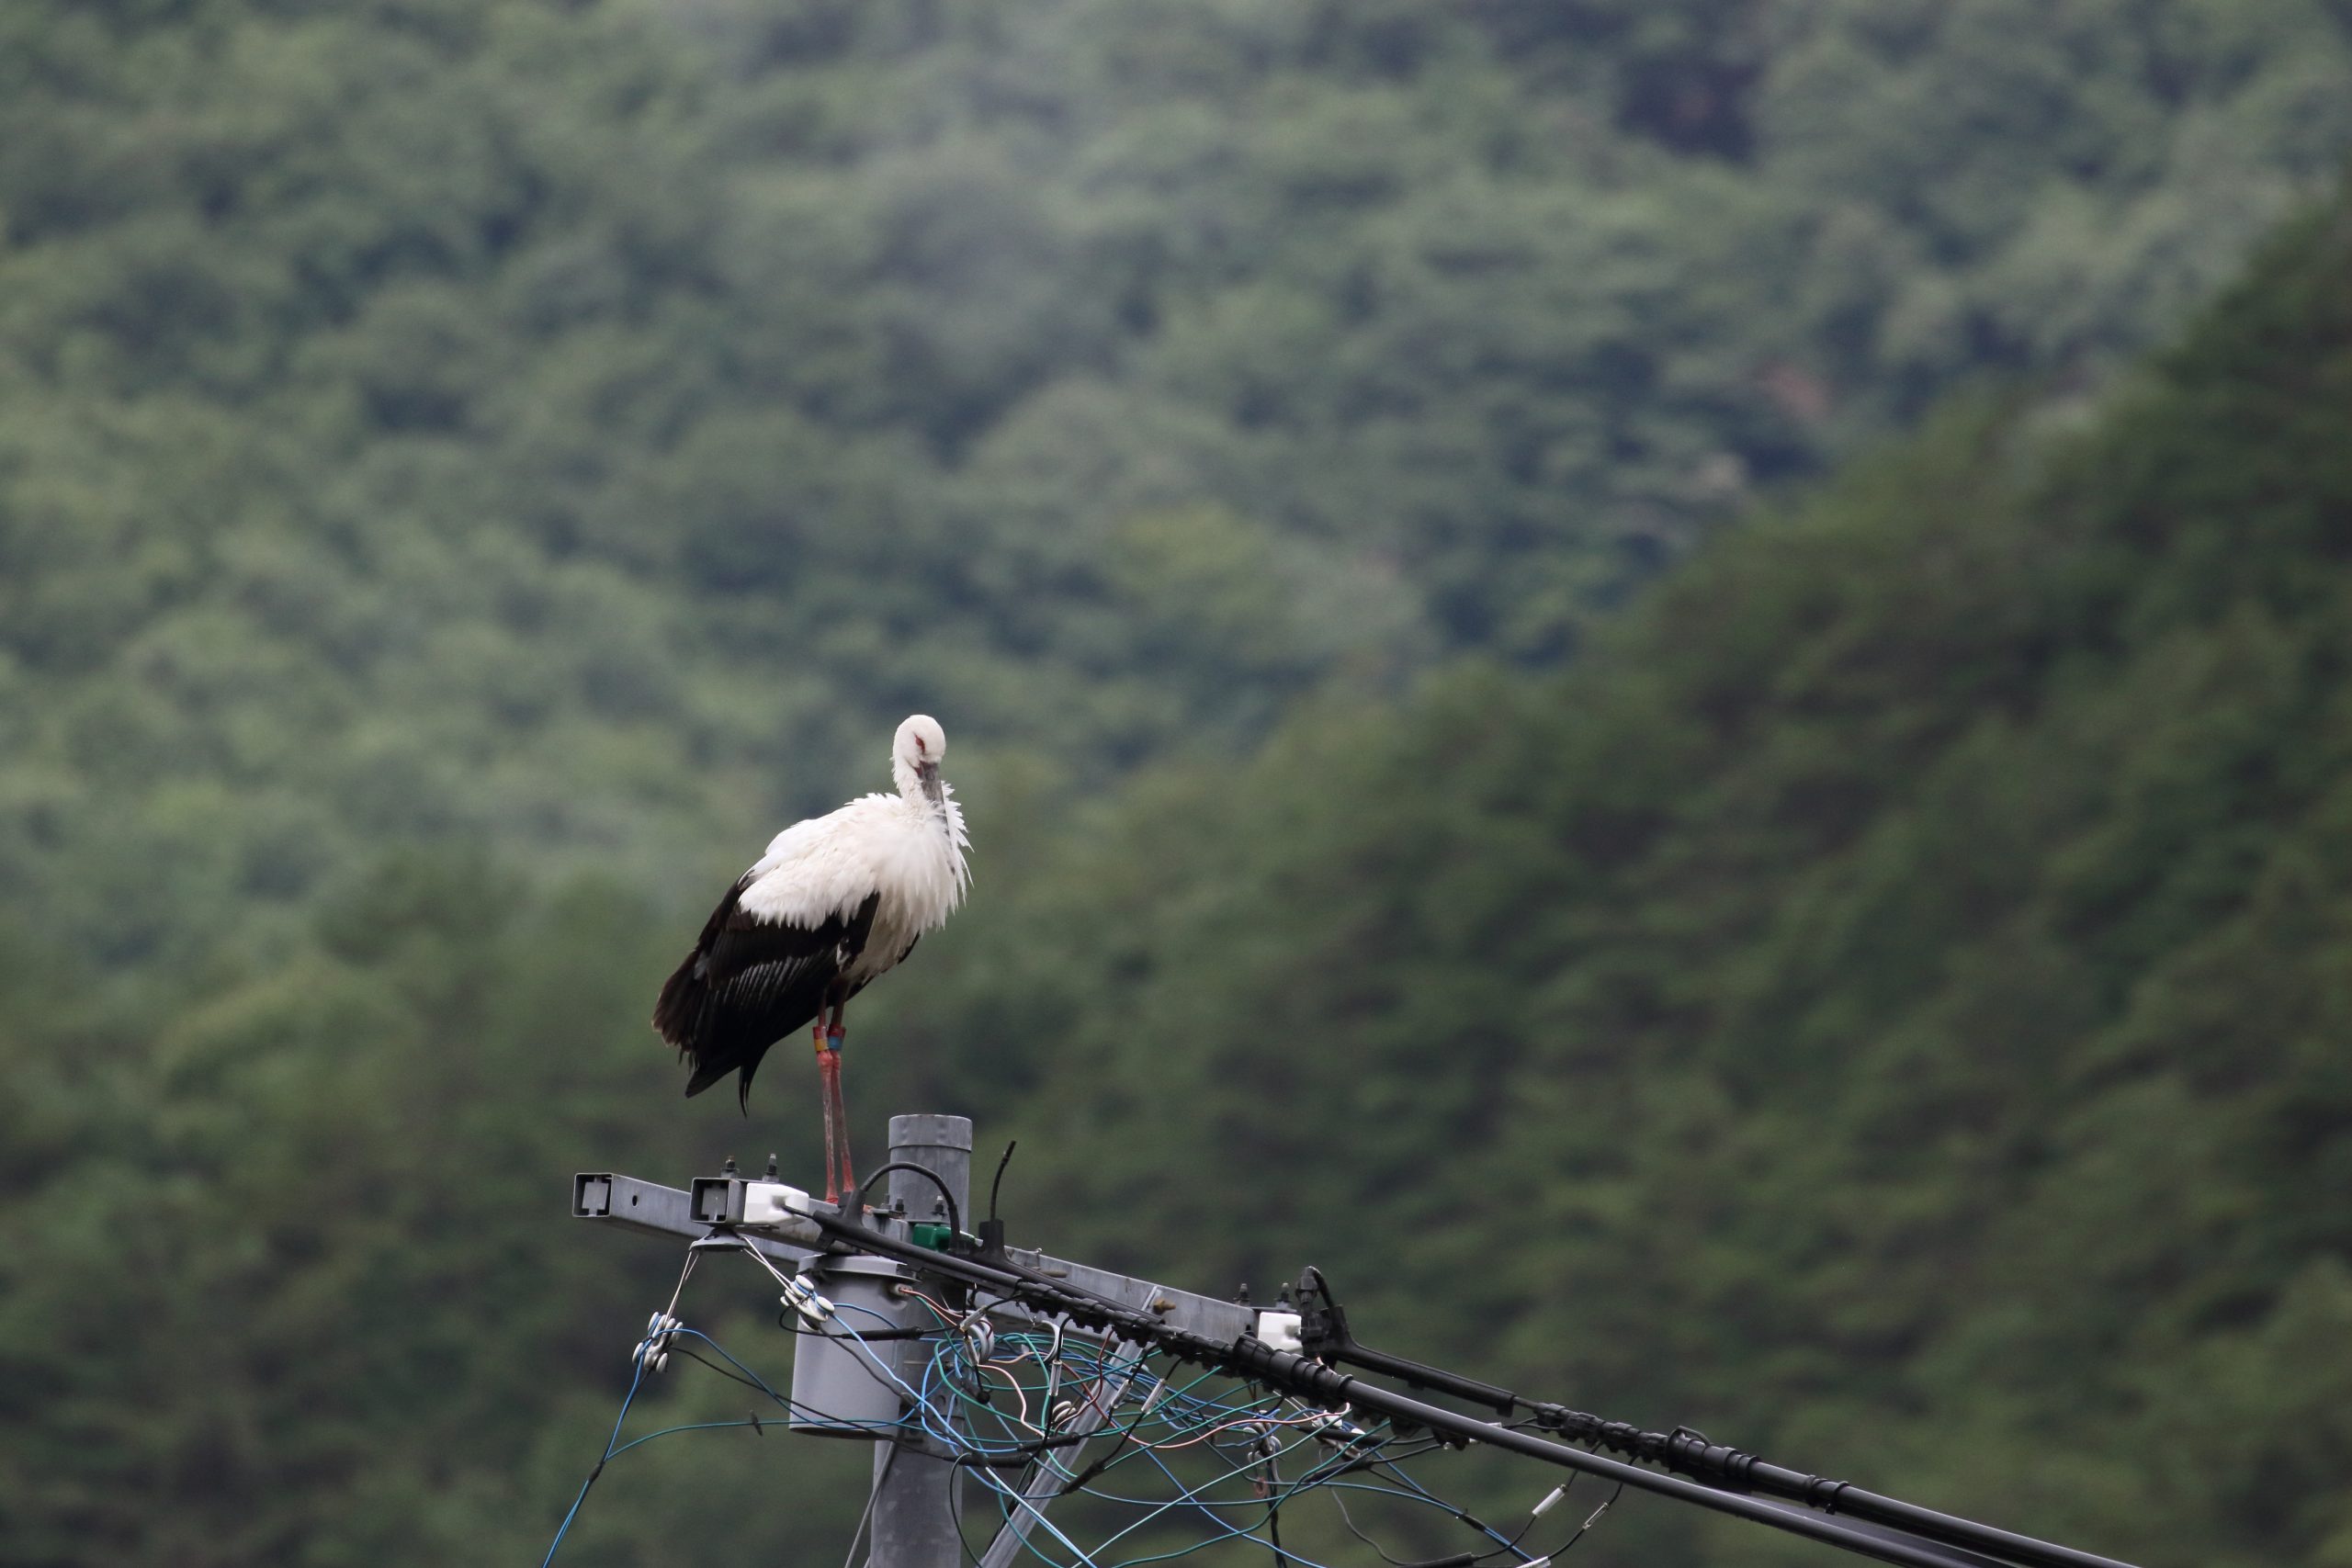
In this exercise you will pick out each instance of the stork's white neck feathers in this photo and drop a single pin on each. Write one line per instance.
(916, 752)
(910, 783)
(931, 859)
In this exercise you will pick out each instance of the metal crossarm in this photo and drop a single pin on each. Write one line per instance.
(649, 1208)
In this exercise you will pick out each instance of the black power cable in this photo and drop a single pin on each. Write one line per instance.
(1281, 1369)
(996, 1186)
(1274, 1510)
(1309, 1378)
(955, 1220)
(1717, 1464)
(1323, 1335)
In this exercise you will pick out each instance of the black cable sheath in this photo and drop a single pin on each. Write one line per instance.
(1894, 1512)
(1324, 1327)
(1718, 1464)
(1274, 1514)
(1268, 1366)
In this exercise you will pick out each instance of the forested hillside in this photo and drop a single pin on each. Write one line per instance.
(572, 426)
(1885, 1005)
(1888, 1003)
(468, 471)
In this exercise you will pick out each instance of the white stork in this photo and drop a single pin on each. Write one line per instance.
(835, 902)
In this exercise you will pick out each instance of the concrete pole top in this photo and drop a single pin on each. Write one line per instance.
(929, 1130)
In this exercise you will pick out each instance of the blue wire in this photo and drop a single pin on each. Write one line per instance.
(614, 1447)
(689, 1426)
(1037, 1517)
(951, 1368)
(1207, 1508)
(1488, 1530)
(636, 1378)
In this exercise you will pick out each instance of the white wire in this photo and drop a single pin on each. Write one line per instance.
(866, 1513)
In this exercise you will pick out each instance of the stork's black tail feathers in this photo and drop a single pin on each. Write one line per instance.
(750, 981)
(683, 1017)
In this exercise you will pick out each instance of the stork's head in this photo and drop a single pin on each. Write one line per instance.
(915, 754)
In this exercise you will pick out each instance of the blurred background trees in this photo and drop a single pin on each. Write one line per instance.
(468, 473)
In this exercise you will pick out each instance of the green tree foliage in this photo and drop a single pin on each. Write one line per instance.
(1886, 1003)
(1887, 992)
(570, 425)
(1883, 1005)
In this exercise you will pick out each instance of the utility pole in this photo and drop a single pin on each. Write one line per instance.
(851, 1384)
(918, 1494)
(915, 1488)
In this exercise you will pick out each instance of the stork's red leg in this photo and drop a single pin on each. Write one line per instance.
(828, 1079)
(841, 1112)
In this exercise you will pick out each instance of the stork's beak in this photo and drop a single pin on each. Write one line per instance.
(932, 790)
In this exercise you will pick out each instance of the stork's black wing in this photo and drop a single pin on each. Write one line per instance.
(749, 982)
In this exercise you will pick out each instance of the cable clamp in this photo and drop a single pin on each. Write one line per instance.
(1333, 1427)
(802, 1298)
(652, 1352)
